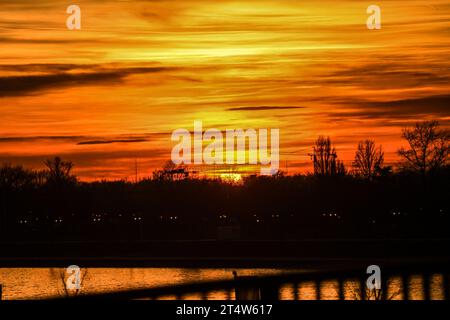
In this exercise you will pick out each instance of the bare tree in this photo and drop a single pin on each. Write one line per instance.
(71, 292)
(171, 172)
(376, 294)
(368, 159)
(15, 177)
(324, 158)
(429, 147)
(59, 171)
(11, 178)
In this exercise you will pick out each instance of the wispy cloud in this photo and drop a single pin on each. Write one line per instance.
(111, 141)
(86, 140)
(403, 109)
(263, 108)
(14, 139)
(28, 84)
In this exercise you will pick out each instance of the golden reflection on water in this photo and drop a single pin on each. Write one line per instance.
(41, 283)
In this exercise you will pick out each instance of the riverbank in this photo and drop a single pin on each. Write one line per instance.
(212, 253)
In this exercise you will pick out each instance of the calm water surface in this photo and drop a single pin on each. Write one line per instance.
(41, 283)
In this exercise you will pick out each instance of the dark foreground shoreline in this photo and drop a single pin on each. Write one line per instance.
(212, 253)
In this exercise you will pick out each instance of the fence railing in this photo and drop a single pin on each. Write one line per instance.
(424, 282)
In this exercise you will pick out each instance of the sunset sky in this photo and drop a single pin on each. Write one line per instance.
(114, 91)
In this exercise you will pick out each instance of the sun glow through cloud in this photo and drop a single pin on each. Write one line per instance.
(231, 177)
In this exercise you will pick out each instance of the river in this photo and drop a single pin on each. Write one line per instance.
(41, 283)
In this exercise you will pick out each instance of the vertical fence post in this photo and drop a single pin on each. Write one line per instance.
(446, 286)
(295, 289)
(405, 284)
(362, 287)
(384, 288)
(426, 286)
(341, 289)
(318, 284)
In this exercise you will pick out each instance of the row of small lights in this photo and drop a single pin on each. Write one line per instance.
(333, 215)
(98, 217)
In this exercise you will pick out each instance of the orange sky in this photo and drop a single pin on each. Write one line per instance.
(137, 70)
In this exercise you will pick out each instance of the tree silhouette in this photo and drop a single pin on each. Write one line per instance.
(42, 206)
(368, 159)
(429, 147)
(59, 171)
(15, 177)
(171, 172)
(324, 158)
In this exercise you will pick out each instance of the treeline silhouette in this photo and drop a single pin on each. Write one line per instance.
(366, 200)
